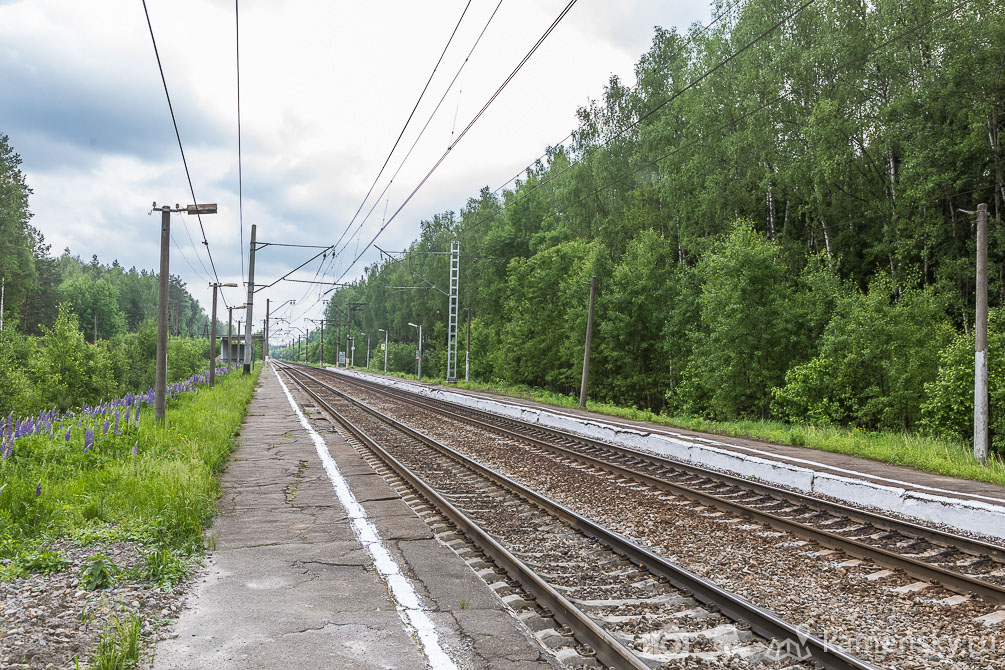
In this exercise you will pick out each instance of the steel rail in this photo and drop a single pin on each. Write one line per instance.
(761, 621)
(607, 648)
(952, 580)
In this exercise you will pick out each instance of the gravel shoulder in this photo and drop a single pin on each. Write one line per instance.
(51, 621)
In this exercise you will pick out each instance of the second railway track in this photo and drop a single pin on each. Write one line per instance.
(958, 563)
(631, 607)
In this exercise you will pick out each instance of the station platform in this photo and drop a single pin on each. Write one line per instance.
(966, 505)
(316, 562)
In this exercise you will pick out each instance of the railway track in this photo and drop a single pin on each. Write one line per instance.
(627, 605)
(958, 563)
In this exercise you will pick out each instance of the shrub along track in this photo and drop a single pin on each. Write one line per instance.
(610, 596)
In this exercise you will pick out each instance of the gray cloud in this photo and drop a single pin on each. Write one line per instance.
(71, 117)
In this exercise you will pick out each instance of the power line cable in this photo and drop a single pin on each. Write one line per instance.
(424, 127)
(465, 131)
(690, 39)
(407, 121)
(240, 169)
(332, 261)
(181, 149)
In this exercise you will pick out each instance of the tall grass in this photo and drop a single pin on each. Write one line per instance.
(148, 482)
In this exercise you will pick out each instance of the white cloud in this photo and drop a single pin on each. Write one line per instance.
(325, 90)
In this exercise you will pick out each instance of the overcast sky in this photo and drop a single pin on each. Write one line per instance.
(325, 89)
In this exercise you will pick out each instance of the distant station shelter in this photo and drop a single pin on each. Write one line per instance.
(232, 349)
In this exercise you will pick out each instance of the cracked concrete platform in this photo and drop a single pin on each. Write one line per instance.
(289, 585)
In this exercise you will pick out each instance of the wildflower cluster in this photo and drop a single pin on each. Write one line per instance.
(116, 417)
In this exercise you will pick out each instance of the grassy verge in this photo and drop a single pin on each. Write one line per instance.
(154, 484)
(921, 452)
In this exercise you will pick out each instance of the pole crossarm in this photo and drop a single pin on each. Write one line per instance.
(262, 245)
(410, 270)
(315, 256)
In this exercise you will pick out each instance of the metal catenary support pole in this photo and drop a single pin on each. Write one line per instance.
(265, 330)
(322, 361)
(248, 346)
(160, 375)
(455, 254)
(467, 350)
(981, 340)
(419, 375)
(368, 351)
(589, 338)
(348, 330)
(230, 336)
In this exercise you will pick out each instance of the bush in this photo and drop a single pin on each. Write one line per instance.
(948, 410)
(17, 393)
(876, 355)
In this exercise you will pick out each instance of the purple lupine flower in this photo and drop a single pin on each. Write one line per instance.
(134, 448)
(129, 411)
(116, 423)
(88, 439)
(68, 431)
(104, 428)
(38, 490)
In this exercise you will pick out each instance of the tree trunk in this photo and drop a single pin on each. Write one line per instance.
(771, 210)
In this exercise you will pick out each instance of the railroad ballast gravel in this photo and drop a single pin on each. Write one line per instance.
(827, 593)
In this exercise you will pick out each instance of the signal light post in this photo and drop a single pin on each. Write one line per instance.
(385, 349)
(418, 352)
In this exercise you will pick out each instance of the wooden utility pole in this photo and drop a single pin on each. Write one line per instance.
(95, 326)
(212, 341)
(589, 338)
(248, 343)
(467, 350)
(160, 376)
(981, 340)
(348, 330)
(265, 331)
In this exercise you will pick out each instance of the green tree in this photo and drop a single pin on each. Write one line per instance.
(94, 301)
(17, 239)
(750, 332)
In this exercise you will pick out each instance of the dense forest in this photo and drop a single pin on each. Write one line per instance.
(778, 214)
(77, 332)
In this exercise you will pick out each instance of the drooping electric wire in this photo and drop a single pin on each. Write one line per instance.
(181, 149)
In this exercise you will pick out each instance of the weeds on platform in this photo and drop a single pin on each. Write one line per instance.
(102, 479)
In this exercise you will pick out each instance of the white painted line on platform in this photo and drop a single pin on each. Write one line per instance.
(410, 608)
